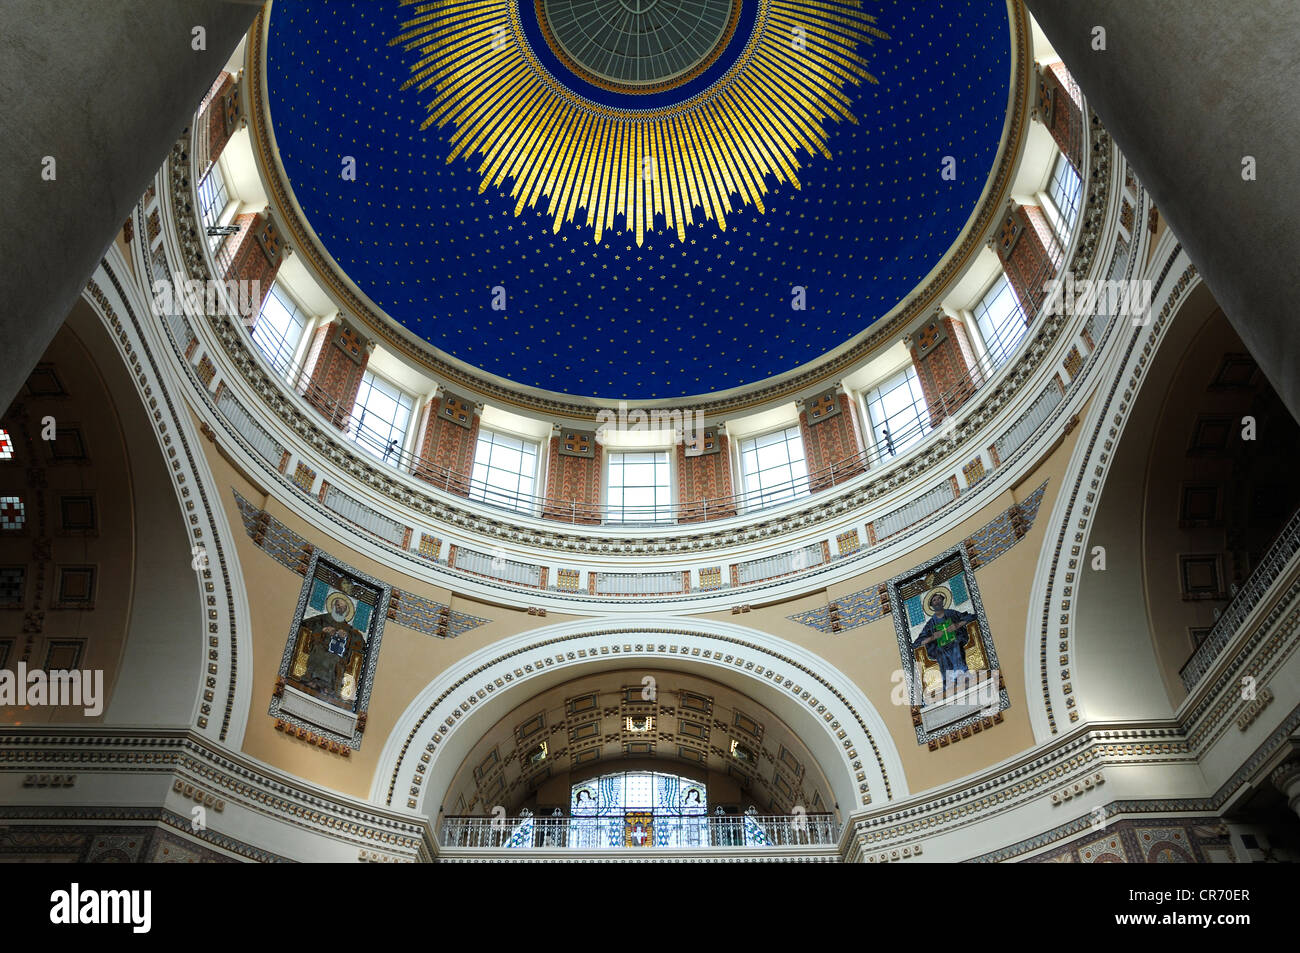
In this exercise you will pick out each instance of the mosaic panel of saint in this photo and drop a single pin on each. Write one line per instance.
(947, 640)
(333, 639)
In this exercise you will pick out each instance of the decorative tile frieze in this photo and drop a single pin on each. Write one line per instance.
(986, 544)
(293, 552)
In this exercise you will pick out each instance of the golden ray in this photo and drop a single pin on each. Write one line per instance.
(657, 169)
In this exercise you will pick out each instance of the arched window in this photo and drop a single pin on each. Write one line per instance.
(639, 809)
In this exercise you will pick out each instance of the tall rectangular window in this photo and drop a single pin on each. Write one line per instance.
(640, 487)
(279, 328)
(380, 418)
(1001, 320)
(213, 198)
(898, 412)
(505, 471)
(774, 467)
(1064, 190)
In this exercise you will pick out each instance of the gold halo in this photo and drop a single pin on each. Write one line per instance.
(337, 596)
(943, 591)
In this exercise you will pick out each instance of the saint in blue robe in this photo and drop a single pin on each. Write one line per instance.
(947, 636)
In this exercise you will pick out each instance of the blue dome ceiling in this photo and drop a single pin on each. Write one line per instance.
(601, 300)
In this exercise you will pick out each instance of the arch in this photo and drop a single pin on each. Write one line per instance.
(1058, 653)
(120, 304)
(834, 719)
(692, 724)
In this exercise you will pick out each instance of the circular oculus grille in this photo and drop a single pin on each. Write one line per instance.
(638, 44)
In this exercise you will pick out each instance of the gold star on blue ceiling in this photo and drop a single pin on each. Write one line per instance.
(671, 316)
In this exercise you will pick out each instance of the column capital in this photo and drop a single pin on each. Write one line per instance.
(1286, 777)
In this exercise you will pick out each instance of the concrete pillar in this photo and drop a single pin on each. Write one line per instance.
(1189, 91)
(104, 88)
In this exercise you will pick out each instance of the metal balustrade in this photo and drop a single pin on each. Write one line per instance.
(350, 420)
(641, 830)
(1278, 556)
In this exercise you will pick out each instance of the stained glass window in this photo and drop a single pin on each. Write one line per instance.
(13, 513)
(639, 809)
(6, 445)
(12, 580)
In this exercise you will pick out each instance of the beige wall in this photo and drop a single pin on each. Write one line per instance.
(869, 655)
(408, 660)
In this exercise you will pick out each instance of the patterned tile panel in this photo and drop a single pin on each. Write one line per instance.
(1005, 530)
(987, 543)
(430, 546)
(206, 371)
(849, 612)
(304, 476)
(433, 618)
(287, 548)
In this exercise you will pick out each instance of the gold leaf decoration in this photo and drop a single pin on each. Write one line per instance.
(663, 167)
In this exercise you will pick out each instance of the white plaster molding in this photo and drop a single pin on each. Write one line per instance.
(831, 715)
(126, 312)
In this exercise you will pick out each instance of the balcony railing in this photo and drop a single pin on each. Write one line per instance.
(1279, 555)
(634, 829)
(926, 416)
(351, 421)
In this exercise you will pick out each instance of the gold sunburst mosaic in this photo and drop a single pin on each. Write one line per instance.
(668, 167)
